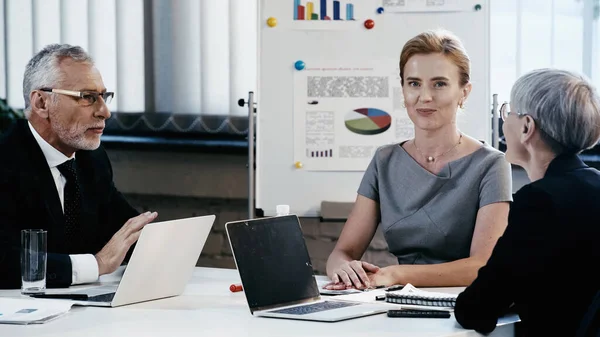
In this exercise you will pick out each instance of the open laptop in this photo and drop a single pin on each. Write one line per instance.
(277, 274)
(160, 266)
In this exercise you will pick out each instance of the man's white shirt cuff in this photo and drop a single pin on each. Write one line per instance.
(85, 268)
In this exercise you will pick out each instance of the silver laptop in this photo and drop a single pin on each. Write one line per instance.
(160, 266)
(277, 274)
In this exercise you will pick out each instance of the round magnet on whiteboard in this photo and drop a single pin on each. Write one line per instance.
(380, 10)
(369, 24)
(299, 65)
(271, 22)
(477, 7)
(298, 165)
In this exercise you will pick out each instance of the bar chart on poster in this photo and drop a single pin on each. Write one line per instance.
(329, 92)
(323, 10)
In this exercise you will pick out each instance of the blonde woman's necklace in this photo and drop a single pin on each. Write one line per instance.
(432, 159)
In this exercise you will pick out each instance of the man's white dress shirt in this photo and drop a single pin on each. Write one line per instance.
(85, 266)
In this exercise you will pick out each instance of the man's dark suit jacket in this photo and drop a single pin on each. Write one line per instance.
(29, 199)
(546, 262)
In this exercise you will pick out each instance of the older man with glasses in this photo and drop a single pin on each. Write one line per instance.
(55, 175)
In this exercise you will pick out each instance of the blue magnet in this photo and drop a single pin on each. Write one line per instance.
(478, 7)
(299, 65)
(380, 10)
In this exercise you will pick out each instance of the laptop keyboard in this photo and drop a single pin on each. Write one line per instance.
(314, 307)
(102, 298)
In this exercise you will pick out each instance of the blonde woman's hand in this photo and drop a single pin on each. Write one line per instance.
(352, 274)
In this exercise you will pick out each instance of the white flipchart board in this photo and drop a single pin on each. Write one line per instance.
(332, 44)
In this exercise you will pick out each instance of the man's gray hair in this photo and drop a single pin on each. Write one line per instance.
(565, 106)
(43, 70)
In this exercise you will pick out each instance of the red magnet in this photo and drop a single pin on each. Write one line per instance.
(369, 24)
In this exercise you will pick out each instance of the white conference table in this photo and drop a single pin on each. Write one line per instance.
(208, 308)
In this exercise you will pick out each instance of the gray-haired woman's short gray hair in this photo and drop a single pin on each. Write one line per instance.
(564, 105)
(43, 70)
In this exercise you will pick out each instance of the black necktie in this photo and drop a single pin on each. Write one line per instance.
(72, 202)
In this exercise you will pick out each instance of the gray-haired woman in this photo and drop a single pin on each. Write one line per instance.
(548, 256)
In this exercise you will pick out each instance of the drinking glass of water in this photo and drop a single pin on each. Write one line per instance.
(33, 261)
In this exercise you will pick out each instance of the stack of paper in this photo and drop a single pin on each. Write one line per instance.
(410, 289)
(368, 296)
(30, 311)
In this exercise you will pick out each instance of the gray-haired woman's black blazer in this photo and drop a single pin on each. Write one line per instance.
(548, 259)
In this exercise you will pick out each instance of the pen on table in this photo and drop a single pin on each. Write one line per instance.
(74, 297)
(391, 288)
(235, 288)
(369, 288)
(395, 287)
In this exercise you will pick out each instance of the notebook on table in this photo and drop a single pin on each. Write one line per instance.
(277, 274)
(412, 298)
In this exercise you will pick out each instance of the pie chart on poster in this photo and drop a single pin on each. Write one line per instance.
(368, 121)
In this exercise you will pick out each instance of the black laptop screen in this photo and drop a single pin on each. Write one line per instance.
(272, 260)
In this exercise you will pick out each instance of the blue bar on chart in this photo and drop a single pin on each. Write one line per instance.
(349, 12)
(336, 10)
(296, 6)
(323, 9)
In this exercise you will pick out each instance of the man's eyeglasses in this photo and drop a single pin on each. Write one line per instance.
(505, 111)
(86, 98)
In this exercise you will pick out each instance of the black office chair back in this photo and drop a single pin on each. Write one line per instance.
(590, 324)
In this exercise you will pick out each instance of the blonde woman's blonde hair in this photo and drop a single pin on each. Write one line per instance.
(440, 42)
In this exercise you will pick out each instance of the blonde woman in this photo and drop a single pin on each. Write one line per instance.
(441, 198)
